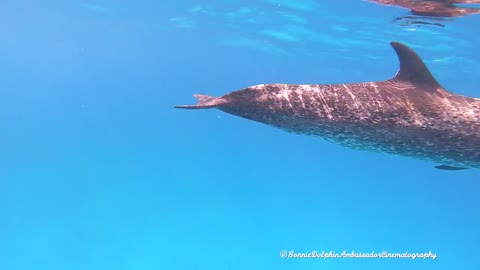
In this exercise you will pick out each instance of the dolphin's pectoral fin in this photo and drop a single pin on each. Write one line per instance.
(449, 168)
(204, 102)
(413, 69)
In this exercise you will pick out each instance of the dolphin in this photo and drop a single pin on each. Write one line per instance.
(433, 8)
(409, 115)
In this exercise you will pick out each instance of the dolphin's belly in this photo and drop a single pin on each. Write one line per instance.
(393, 133)
(442, 146)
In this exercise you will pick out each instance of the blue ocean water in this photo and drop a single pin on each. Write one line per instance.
(98, 171)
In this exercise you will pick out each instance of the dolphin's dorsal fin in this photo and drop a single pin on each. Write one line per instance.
(413, 69)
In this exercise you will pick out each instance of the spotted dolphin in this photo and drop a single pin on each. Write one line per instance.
(409, 115)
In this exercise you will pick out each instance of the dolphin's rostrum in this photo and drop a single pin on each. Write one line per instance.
(409, 115)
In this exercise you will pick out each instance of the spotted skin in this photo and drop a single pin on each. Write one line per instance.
(409, 115)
